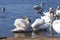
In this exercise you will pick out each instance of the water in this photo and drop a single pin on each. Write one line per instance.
(18, 9)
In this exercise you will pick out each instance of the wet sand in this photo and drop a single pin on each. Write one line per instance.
(31, 36)
(37, 38)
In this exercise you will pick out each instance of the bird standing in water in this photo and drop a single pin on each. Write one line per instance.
(3, 9)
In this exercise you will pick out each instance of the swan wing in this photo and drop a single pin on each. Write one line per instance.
(20, 23)
(46, 19)
(37, 23)
(56, 26)
(57, 12)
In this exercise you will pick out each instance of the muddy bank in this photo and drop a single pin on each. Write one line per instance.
(30, 38)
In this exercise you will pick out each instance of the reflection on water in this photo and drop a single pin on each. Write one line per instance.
(34, 34)
(22, 34)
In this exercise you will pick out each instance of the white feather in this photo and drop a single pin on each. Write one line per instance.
(42, 23)
(22, 24)
(39, 24)
(56, 26)
(57, 12)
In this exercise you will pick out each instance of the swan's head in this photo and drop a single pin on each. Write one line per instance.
(51, 10)
(57, 12)
(27, 19)
(39, 8)
(36, 7)
(58, 7)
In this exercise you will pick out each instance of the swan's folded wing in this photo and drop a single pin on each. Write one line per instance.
(37, 23)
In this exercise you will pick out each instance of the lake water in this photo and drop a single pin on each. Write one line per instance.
(18, 9)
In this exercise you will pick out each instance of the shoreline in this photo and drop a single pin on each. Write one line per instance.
(30, 38)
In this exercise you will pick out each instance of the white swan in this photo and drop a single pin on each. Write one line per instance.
(56, 23)
(42, 23)
(56, 26)
(22, 25)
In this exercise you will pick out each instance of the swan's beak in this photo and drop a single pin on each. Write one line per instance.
(38, 9)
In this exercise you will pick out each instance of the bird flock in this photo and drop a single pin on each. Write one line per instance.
(43, 23)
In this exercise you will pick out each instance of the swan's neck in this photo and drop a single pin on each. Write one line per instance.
(51, 21)
(56, 18)
(28, 21)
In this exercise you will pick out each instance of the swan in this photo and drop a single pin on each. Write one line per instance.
(56, 23)
(46, 15)
(42, 23)
(22, 25)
